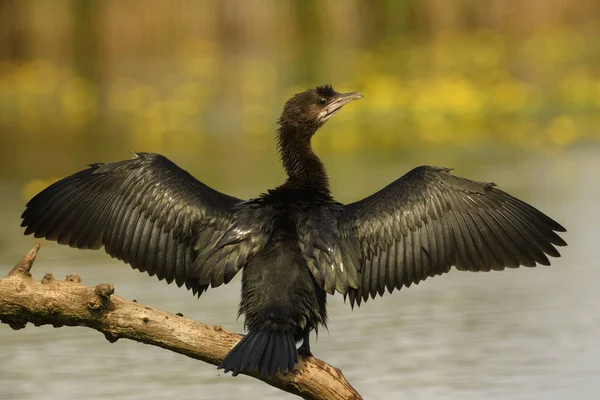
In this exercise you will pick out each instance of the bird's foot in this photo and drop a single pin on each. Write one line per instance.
(304, 350)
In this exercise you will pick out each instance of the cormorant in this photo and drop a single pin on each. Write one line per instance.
(295, 243)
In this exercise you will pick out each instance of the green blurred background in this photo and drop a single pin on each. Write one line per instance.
(502, 90)
(88, 80)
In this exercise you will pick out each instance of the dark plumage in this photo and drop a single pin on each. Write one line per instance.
(295, 243)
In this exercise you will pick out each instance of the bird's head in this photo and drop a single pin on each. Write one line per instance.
(307, 111)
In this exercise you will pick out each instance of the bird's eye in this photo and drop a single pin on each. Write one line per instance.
(322, 100)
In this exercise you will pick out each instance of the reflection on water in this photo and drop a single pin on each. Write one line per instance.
(519, 334)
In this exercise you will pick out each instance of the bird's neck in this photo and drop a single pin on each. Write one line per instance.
(304, 168)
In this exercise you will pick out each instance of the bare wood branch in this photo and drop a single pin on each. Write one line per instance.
(24, 266)
(70, 303)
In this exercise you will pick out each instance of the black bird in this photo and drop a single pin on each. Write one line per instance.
(295, 243)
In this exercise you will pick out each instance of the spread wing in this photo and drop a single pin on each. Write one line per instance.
(430, 220)
(153, 215)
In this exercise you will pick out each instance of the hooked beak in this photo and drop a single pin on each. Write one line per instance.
(338, 103)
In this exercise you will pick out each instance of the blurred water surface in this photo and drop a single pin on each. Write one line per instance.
(518, 334)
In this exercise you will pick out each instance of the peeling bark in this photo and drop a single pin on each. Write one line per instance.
(70, 303)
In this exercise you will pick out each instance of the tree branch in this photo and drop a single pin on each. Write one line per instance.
(70, 303)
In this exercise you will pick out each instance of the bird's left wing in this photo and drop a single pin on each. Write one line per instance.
(430, 220)
(155, 216)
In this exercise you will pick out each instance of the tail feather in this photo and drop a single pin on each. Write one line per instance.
(266, 361)
(268, 351)
(249, 361)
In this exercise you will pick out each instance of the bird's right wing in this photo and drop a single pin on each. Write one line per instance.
(153, 215)
(430, 220)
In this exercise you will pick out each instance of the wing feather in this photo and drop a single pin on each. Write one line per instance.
(430, 220)
(155, 216)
